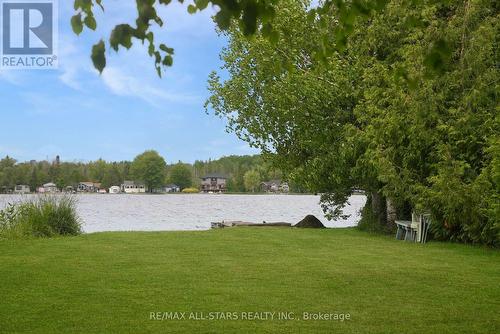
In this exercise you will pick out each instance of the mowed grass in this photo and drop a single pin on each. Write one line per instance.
(111, 282)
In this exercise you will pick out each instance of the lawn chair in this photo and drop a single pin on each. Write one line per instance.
(404, 230)
(415, 230)
(426, 222)
(416, 227)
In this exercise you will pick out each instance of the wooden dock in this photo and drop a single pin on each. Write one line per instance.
(238, 223)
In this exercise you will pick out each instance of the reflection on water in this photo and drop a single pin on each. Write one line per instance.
(196, 211)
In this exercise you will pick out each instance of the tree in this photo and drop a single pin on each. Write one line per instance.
(112, 176)
(149, 167)
(253, 17)
(7, 173)
(181, 175)
(108, 174)
(97, 170)
(298, 116)
(252, 180)
(373, 116)
(34, 178)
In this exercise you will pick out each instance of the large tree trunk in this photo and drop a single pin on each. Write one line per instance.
(378, 203)
(391, 212)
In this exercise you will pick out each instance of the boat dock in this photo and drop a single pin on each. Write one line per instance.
(238, 223)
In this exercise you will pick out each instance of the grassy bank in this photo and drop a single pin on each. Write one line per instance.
(111, 282)
(44, 216)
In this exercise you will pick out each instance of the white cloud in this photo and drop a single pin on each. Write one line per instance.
(125, 84)
(131, 72)
(71, 62)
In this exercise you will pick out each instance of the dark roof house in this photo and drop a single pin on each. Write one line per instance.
(213, 183)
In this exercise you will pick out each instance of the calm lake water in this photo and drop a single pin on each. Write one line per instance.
(195, 212)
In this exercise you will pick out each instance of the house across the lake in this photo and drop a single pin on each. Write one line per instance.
(69, 189)
(172, 188)
(22, 189)
(48, 188)
(216, 183)
(88, 187)
(5, 190)
(132, 187)
(274, 186)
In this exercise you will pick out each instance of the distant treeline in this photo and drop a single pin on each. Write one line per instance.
(63, 173)
(235, 167)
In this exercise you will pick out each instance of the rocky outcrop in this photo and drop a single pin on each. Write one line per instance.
(310, 222)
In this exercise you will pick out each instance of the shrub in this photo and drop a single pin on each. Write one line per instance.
(463, 206)
(45, 216)
(370, 221)
(190, 191)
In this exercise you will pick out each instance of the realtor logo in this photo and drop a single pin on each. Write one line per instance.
(29, 34)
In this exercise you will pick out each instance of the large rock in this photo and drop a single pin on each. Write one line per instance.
(310, 222)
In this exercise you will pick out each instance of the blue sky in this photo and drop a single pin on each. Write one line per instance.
(77, 114)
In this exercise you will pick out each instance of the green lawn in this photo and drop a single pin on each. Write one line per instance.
(111, 282)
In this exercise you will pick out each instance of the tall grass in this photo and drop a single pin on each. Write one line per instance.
(44, 216)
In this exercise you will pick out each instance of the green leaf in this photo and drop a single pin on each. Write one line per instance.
(90, 22)
(165, 48)
(85, 5)
(98, 57)
(150, 37)
(121, 35)
(77, 4)
(268, 14)
(157, 56)
(168, 60)
(361, 7)
(438, 56)
(191, 9)
(274, 37)
(341, 39)
(99, 2)
(223, 19)
(269, 33)
(76, 23)
(201, 4)
(380, 4)
(249, 18)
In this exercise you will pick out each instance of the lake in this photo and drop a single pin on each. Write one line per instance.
(195, 211)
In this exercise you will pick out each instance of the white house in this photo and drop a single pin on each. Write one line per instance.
(284, 187)
(114, 190)
(172, 188)
(21, 189)
(88, 187)
(213, 183)
(275, 186)
(69, 190)
(48, 188)
(132, 187)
